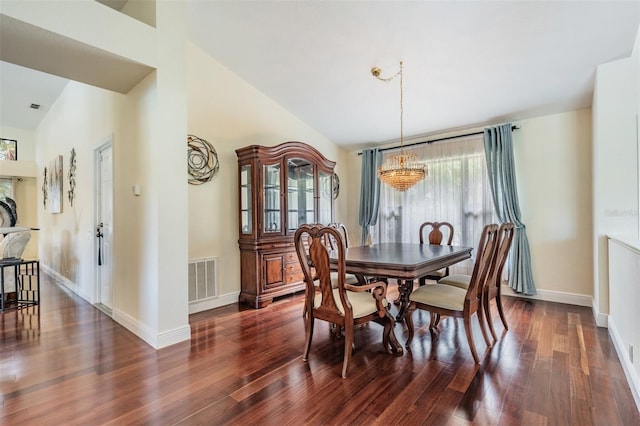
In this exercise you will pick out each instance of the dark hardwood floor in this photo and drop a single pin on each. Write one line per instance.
(65, 362)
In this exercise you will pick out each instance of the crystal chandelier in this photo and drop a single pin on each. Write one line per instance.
(401, 171)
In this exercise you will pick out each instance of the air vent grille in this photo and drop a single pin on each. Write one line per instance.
(202, 279)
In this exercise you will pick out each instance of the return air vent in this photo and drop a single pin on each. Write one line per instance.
(202, 282)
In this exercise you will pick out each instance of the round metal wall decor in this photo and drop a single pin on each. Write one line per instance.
(336, 186)
(202, 161)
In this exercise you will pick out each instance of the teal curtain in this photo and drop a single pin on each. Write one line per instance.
(369, 190)
(498, 147)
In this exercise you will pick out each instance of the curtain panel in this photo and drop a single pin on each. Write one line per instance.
(369, 191)
(498, 145)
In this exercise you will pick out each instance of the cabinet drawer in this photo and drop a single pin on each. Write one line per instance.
(292, 268)
(294, 277)
(293, 273)
(291, 257)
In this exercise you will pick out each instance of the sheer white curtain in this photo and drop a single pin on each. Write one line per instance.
(456, 190)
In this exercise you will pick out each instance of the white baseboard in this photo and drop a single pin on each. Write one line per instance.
(629, 371)
(154, 339)
(65, 282)
(214, 302)
(560, 297)
(602, 320)
(552, 296)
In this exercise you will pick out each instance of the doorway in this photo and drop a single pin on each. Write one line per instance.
(104, 226)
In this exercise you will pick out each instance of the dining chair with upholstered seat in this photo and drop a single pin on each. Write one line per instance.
(493, 285)
(350, 278)
(435, 236)
(492, 289)
(345, 306)
(445, 300)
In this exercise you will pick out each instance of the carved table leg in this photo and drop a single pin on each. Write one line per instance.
(405, 287)
(396, 347)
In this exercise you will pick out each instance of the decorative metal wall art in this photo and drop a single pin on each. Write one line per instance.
(336, 186)
(202, 161)
(72, 177)
(56, 178)
(45, 187)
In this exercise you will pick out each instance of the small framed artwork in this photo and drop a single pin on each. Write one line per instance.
(8, 149)
(56, 177)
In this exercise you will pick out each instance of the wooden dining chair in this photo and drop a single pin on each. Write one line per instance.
(347, 305)
(492, 289)
(446, 300)
(493, 285)
(435, 236)
(331, 242)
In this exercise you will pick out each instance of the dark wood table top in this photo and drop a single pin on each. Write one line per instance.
(407, 261)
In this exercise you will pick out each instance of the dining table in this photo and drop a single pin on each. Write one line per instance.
(405, 262)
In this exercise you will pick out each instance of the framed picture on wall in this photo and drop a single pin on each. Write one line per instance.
(8, 149)
(56, 177)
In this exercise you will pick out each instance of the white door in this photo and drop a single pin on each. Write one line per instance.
(104, 225)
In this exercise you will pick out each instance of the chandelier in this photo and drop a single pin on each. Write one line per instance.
(401, 171)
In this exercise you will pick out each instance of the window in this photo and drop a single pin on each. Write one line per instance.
(456, 190)
(6, 188)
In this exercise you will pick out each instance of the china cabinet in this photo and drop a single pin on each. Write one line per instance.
(280, 188)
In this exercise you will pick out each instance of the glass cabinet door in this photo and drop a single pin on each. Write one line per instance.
(272, 200)
(246, 209)
(325, 181)
(300, 187)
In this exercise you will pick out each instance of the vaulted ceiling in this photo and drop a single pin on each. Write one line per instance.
(465, 63)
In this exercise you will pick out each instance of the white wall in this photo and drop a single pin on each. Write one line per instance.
(616, 178)
(624, 320)
(615, 165)
(224, 110)
(148, 127)
(230, 114)
(552, 156)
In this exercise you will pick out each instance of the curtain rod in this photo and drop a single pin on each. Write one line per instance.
(436, 140)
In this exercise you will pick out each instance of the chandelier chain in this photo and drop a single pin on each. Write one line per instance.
(401, 171)
(401, 110)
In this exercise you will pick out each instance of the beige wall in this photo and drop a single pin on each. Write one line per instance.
(552, 155)
(26, 141)
(230, 114)
(82, 118)
(553, 167)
